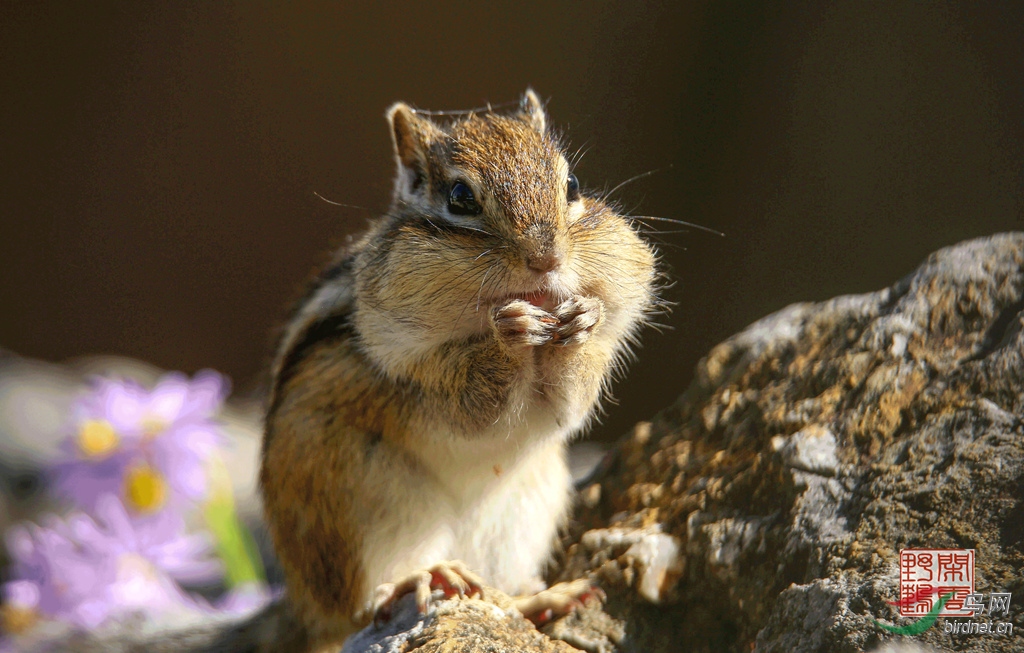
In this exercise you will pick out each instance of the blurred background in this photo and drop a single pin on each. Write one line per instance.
(161, 161)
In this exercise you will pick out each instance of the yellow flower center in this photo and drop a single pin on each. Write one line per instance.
(16, 620)
(97, 438)
(145, 488)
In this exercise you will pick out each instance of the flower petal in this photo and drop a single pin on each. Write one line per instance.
(167, 400)
(21, 594)
(206, 394)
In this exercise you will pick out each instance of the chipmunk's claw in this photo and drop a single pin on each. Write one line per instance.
(577, 318)
(520, 323)
(453, 578)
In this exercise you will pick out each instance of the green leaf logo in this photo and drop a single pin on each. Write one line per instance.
(922, 624)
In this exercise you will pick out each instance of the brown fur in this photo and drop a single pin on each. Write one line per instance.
(417, 368)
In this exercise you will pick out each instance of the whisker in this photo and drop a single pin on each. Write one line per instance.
(632, 179)
(674, 221)
(486, 233)
(480, 289)
(458, 320)
(347, 206)
(579, 154)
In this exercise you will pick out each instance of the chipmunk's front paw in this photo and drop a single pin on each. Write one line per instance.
(452, 577)
(577, 318)
(520, 323)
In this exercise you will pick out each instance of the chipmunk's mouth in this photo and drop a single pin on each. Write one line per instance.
(542, 299)
(536, 298)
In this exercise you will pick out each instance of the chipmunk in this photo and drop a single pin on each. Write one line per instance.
(426, 388)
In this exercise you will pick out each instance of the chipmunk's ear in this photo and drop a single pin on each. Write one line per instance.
(532, 110)
(411, 135)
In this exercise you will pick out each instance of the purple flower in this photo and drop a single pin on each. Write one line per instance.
(84, 572)
(148, 447)
(160, 540)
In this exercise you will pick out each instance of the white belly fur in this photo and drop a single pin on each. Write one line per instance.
(494, 502)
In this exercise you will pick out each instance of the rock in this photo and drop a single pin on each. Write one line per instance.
(455, 626)
(810, 449)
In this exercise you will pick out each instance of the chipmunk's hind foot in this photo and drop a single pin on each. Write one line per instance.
(558, 600)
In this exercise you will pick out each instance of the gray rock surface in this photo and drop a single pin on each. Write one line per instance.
(810, 449)
(456, 626)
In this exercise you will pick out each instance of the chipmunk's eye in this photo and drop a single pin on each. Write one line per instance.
(573, 188)
(461, 200)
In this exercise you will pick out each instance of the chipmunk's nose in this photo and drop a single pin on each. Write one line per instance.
(543, 247)
(544, 261)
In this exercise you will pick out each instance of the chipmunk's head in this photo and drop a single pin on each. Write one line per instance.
(492, 196)
(501, 174)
